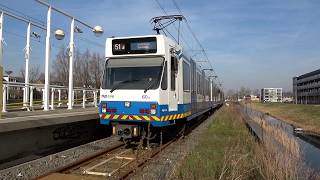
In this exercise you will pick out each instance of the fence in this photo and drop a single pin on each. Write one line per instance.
(12, 96)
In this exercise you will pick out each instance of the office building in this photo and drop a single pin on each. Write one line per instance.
(271, 95)
(306, 88)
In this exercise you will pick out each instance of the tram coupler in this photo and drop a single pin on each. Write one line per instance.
(126, 131)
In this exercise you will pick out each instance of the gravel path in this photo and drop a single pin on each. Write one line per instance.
(168, 161)
(46, 164)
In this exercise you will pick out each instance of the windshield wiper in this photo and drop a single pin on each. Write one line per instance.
(149, 85)
(154, 81)
(121, 83)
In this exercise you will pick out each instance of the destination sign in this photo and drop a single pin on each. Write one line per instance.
(134, 46)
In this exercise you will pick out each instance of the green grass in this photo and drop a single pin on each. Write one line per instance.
(305, 116)
(225, 151)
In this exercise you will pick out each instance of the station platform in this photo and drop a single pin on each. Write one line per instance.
(19, 120)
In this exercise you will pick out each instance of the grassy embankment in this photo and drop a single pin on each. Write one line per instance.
(224, 151)
(228, 151)
(304, 116)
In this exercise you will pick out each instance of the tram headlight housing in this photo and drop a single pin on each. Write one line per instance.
(153, 108)
(104, 108)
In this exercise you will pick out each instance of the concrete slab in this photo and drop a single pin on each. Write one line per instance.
(13, 121)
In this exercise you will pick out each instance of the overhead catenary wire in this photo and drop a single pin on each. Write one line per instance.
(14, 11)
(40, 24)
(196, 39)
(194, 36)
(40, 41)
(165, 12)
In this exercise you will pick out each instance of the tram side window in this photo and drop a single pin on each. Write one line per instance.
(209, 89)
(198, 83)
(164, 82)
(186, 77)
(203, 83)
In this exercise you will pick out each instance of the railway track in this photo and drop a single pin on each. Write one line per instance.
(119, 162)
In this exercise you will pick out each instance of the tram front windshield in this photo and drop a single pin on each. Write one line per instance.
(133, 73)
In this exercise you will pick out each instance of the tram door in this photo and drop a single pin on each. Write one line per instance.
(173, 88)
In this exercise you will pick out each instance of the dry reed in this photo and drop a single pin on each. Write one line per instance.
(279, 155)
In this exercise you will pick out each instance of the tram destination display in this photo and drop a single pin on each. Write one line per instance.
(134, 46)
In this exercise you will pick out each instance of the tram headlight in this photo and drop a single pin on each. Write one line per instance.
(113, 130)
(153, 111)
(135, 131)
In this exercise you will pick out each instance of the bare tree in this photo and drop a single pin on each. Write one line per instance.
(256, 92)
(96, 67)
(244, 92)
(61, 67)
(87, 68)
(34, 74)
(77, 76)
(231, 93)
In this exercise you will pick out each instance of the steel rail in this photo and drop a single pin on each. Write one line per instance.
(81, 161)
(140, 162)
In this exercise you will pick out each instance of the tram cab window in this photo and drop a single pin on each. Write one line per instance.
(174, 70)
(133, 73)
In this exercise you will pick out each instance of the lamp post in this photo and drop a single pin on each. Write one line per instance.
(71, 53)
(97, 30)
(26, 78)
(47, 63)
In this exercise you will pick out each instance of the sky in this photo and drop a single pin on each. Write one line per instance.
(250, 43)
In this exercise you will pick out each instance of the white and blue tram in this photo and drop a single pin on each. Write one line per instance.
(149, 79)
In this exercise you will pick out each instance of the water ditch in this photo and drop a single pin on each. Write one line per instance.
(309, 145)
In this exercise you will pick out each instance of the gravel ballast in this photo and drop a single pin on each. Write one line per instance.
(49, 163)
(169, 160)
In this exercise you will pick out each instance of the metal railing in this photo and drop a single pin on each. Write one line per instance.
(89, 96)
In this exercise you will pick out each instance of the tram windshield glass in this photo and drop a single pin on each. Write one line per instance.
(133, 73)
